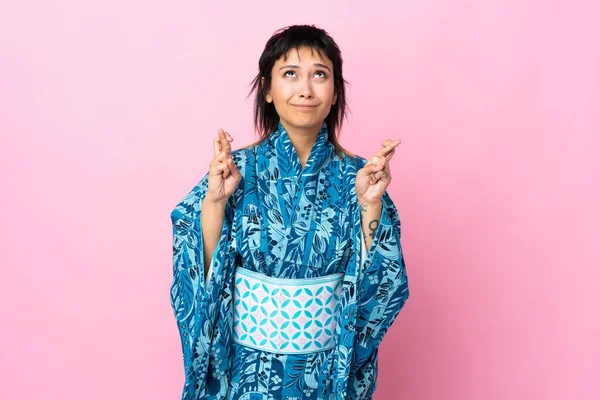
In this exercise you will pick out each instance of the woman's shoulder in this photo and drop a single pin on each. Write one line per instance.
(244, 155)
(352, 161)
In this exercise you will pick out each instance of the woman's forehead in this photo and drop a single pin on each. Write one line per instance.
(304, 54)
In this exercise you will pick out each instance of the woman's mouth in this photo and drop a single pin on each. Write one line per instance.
(304, 107)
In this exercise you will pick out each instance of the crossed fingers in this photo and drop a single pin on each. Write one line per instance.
(383, 157)
(222, 149)
(221, 145)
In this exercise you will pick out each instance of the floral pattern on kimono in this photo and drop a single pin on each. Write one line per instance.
(286, 221)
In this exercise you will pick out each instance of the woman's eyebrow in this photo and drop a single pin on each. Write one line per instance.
(314, 65)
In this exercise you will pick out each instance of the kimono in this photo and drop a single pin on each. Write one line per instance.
(286, 222)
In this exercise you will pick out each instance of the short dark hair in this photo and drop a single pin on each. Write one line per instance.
(283, 40)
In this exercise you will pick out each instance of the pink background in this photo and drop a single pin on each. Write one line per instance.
(107, 114)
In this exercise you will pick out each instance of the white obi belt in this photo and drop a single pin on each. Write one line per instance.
(287, 316)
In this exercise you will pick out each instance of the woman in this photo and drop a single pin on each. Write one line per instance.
(288, 268)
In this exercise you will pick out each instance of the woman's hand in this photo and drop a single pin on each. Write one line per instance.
(373, 179)
(223, 176)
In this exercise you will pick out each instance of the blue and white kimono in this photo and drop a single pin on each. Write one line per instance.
(286, 222)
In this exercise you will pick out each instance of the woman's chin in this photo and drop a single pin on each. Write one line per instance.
(306, 122)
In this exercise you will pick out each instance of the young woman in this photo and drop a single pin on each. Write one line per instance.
(288, 268)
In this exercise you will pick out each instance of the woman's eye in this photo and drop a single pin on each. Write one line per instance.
(322, 73)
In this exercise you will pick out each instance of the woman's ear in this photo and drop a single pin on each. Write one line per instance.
(334, 98)
(268, 97)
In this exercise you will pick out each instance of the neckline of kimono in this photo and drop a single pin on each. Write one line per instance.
(320, 142)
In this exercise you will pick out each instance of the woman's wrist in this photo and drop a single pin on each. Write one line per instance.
(214, 204)
(370, 203)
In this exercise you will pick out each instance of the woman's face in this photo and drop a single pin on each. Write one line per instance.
(302, 89)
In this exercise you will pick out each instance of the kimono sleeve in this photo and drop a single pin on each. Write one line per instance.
(187, 291)
(382, 292)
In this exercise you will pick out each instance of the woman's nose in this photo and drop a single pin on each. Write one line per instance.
(306, 89)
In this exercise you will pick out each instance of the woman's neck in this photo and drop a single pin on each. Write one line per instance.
(303, 140)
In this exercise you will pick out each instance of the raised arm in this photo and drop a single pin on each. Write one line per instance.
(223, 179)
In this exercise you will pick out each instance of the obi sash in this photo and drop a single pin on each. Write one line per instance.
(286, 316)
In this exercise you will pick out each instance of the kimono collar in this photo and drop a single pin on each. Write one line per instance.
(319, 152)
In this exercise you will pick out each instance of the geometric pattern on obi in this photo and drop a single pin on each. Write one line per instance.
(286, 316)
